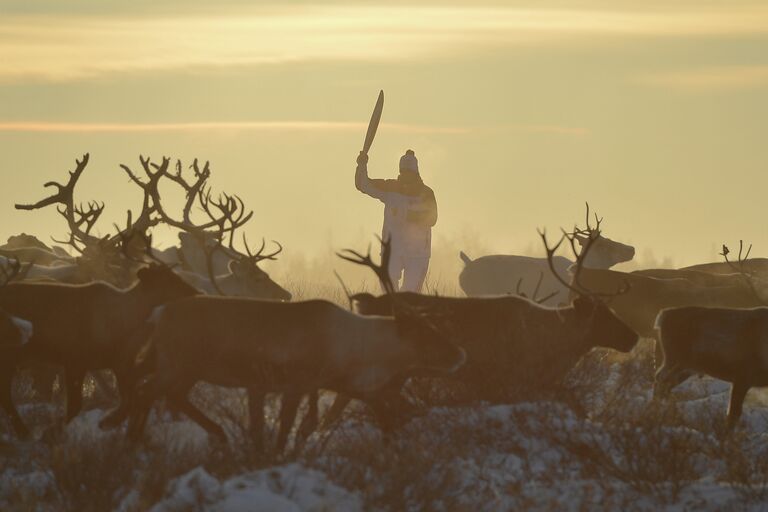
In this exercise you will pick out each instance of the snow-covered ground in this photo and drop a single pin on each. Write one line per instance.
(614, 450)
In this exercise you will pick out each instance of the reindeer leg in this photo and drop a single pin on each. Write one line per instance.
(6, 401)
(668, 377)
(290, 403)
(383, 416)
(738, 392)
(102, 387)
(180, 401)
(74, 383)
(146, 394)
(333, 414)
(658, 353)
(310, 421)
(256, 416)
(125, 388)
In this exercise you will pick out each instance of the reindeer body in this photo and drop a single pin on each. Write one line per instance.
(242, 280)
(35, 255)
(90, 327)
(290, 348)
(512, 338)
(499, 274)
(694, 276)
(728, 344)
(647, 296)
(755, 266)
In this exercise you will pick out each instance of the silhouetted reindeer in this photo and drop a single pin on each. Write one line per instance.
(14, 333)
(93, 326)
(289, 348)
(205, 249)
(725, 343)
(511, 339)
(100, 258)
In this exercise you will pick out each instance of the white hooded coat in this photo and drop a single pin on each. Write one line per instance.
(410, 211)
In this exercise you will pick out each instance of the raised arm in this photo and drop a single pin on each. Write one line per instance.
(366, 185)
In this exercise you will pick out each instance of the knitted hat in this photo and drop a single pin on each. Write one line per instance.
(409, 162)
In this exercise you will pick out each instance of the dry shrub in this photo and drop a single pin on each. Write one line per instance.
(91, 474)
(161, 463)
(408, 470)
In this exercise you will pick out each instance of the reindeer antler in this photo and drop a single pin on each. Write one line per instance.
(381, 270)
(75, 215)
(81, 218)
(581, 256)
(534, 297)
(740, 268)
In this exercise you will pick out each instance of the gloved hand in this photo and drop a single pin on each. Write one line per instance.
(362, 158)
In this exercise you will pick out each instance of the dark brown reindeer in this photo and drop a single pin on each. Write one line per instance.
(502, 333)
(290, 348)
(14, 333)
(101, 258)
(512, 341)
(718, 274)
(204, 242)
(650, 295)
(725, 343)
(93, 326)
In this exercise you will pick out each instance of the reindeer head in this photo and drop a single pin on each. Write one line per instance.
(434, 348)
(604, 328)
(368, 304)
(757, 286)
(256, 281)
(607, 253)
(163, 283)
(604, 252)
(215, 235)
(600, 325)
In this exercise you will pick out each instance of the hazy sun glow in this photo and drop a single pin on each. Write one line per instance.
(519, 111)
(70, 47)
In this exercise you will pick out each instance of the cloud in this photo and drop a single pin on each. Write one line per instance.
(266, 126)
(75, 47)
(277, 127)
(723, 78)
(551, 129)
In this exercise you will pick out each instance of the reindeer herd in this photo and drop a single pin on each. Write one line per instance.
(204, 311)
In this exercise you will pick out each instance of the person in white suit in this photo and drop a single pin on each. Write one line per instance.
(410, 212)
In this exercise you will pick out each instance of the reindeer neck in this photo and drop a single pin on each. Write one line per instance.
(141, 296)
(576, 330)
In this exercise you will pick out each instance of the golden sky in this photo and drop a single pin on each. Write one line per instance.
(519, 111)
